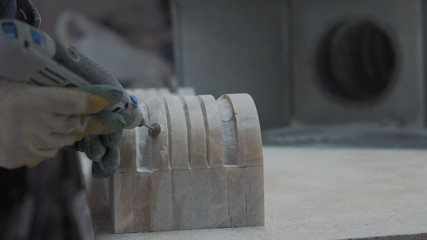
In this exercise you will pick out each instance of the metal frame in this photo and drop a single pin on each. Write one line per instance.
(404, 101)
(245, 46)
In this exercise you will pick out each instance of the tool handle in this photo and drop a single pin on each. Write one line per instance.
(30, 56)
(83, 66)
(69, 57)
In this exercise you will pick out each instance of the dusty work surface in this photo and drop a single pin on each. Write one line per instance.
(326, 194)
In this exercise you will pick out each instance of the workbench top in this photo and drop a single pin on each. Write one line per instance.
(316, 193)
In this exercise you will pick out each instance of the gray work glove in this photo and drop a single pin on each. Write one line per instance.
(36, 122)
(104, 151)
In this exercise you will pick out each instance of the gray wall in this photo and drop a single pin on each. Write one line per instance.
(235, 46)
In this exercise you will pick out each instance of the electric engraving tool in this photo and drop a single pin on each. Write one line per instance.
(49, 63)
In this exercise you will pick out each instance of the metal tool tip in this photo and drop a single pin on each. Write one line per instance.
(154, 130)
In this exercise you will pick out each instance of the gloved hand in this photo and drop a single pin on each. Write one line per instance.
(104, 151)
(36, 121)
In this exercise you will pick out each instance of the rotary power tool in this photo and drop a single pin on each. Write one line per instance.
(31, 56)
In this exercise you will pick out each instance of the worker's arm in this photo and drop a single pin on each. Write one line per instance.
(37, 121)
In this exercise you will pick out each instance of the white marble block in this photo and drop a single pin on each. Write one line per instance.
(204, 169)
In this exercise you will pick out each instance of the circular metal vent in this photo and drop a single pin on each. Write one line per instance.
(358, 60)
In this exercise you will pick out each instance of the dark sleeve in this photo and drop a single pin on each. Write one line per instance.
(23, 10)
(8, 8)
(27, 12)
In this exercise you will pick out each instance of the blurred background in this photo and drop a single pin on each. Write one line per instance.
(132, 39)
(321, 72)
(145, 24)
